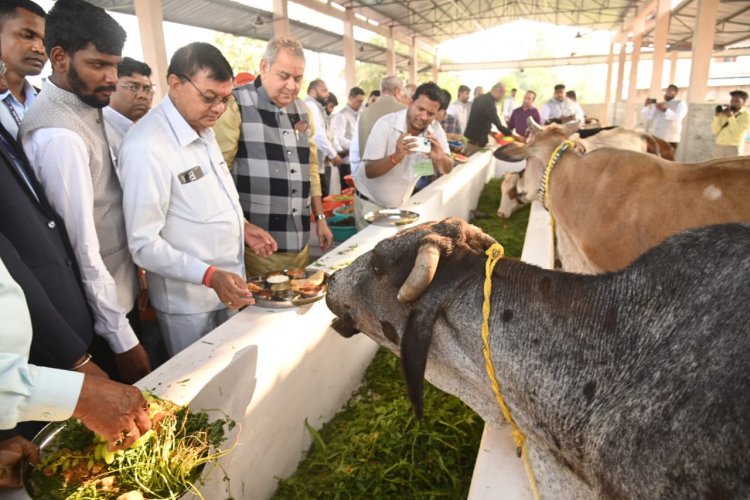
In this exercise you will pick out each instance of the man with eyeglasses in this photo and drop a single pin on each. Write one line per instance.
(63, 137)
(128, 104)
(182, 211)
(267, 137)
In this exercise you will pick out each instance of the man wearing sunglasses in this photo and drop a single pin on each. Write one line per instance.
(127, 104)
(182, 212)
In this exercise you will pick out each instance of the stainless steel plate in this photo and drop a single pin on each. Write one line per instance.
(391, 217)
(287, 299)
(45, 440)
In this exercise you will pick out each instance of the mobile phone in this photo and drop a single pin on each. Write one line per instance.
(420, 144)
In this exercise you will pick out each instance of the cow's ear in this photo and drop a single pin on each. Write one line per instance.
(415, 344)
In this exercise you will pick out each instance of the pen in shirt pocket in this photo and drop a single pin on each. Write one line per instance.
(300, 127)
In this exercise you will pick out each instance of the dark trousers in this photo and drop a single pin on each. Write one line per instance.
(325, 180)
(344, 170)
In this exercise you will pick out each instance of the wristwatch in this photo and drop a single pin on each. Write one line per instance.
(320, 217)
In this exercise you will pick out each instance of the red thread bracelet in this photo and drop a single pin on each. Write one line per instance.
(207, 276)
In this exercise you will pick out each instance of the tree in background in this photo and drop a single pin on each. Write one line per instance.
(244, 54)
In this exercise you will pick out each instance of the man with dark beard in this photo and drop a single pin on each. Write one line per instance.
(64, 139)
(317, 100)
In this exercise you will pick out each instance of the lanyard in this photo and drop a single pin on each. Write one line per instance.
(12, 110)
(18, 163)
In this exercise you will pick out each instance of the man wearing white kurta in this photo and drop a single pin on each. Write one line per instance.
(328, 157)
(461, 108)
(182, 212)
(390, 170)
(666, 117)
(64, 139)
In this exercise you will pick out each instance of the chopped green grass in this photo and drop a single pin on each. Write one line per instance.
(375, 448)
(509, 232)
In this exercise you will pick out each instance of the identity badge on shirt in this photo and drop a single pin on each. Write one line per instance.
(190, 175)
(423, 166)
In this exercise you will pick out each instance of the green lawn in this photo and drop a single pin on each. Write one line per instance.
(375, 448)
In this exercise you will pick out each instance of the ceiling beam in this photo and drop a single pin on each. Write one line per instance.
(423, 44)
(575, 60)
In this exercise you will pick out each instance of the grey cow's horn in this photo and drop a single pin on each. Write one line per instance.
(533, 125)
(421, 274)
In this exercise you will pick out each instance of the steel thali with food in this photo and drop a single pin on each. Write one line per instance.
(288, 288)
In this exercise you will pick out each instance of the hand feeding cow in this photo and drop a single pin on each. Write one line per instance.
(633, 384)
(512, 197)
(611, 205)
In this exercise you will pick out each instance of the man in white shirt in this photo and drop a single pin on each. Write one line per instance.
(128, 104)
(63, 137)
(182, 211)
(22, 39)
(579, 113)
(391, 168)
(316, 100)
(559, 109)
(666, 117)
(509, 104)
(343, 127)
(390, 100)
(31, 392)
(461, 107)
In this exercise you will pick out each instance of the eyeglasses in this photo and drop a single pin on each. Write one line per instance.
(208, 100)
(136, 89)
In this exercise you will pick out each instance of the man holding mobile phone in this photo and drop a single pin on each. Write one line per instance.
(666, 117)
(392, 161)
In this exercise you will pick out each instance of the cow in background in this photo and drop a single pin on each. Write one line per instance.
(611, 205)
(588, 139)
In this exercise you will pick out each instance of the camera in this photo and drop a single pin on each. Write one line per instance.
(650, 100)
(722, 108)
(419, 144)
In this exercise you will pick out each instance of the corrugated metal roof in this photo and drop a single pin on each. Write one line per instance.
(438, 20)
(242, 20)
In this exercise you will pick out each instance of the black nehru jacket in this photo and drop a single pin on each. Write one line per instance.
(481, 117)
(62, 333)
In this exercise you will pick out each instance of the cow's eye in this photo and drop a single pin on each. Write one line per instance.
(377, 268)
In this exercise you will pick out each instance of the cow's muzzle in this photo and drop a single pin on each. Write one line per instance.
(344, 326)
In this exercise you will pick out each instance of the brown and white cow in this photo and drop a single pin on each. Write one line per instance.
(512, 198)
(612, 205)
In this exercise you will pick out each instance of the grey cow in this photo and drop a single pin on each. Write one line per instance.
(633, 384)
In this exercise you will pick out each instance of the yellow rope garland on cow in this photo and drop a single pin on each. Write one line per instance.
(494, 254)
(553, 159)
(544, 188)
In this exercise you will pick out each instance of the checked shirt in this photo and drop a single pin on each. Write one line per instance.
(272, 167)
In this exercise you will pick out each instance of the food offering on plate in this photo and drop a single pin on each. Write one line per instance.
(459, 158)
(503, 140)
(288, 288)
(165, 462)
